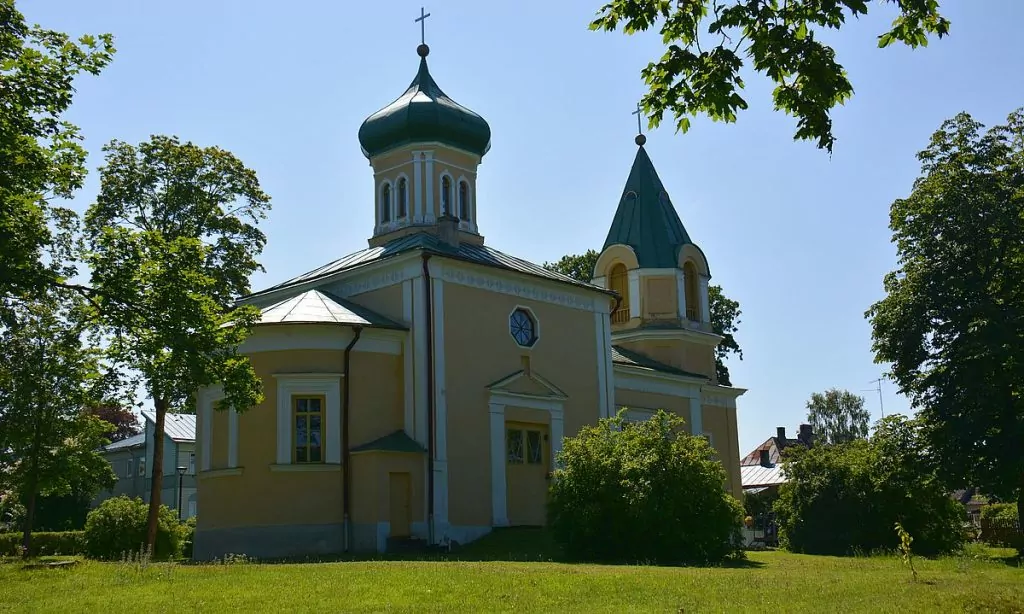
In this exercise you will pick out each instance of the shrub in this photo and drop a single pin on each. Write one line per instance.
(118, 527)
(67, 543)
(1000, 512)
(1000, 526)
(844, 498)
(643, 492)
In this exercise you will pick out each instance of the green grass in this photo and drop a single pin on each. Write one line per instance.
(479, 582)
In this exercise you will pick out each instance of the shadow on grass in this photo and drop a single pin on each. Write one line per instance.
(518, 544)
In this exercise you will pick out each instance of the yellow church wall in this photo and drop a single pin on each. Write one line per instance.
(721, 423)
(311, 496)
(565, 354)
(371, 501)
(385, 301)
(660, 301)
(376, 404)
(634, 399)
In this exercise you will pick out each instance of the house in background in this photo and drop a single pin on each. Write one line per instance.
(131, 460)
(762, 468)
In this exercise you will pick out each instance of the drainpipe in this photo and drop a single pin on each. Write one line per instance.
(346, 469)
(430, 397)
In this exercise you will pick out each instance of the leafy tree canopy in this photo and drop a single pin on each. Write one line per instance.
(838, 416)
(952, 321)
(172, 240)
(710, 42)
(41, 156)
(124, 422)
(725, 312)
(845, 498)
(48, 444)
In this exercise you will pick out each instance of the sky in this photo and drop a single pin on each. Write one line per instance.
(799, 237)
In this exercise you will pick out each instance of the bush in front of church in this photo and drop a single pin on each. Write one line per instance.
(643, 492)
(117, 529)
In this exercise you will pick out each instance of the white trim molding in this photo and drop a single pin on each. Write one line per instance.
(499, 480)
(428, 215)
(292, 384)
(408, 420)
(491, 279)
(681, 294)
(219, 473)
(721, 396)
(634, 293)
(206, 399)
(321, 337)
(696, 336)
(306, 467)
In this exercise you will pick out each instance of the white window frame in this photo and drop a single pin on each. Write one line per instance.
(191, 463)
(299, 384)
(142, 467)
(129, 472)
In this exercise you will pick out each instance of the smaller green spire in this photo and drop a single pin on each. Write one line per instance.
(645, 219)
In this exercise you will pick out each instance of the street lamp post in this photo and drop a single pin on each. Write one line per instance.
(181, 475)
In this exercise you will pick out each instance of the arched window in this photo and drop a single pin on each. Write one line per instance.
(446, 195)
(619, 282)
(691, 293)
(403, 198)
(385, 203)
(464, 200)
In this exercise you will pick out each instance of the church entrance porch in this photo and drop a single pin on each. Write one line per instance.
(528, 470)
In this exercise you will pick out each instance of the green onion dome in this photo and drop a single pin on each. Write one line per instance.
(423, 114)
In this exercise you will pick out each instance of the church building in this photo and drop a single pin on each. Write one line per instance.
(421, 388)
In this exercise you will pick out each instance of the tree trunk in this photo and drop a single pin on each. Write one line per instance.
(30, 512)
(1020, 517)
(158, 473)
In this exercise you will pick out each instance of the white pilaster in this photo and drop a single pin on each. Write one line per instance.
(705, 310)
(428, 215)
(557, 433)
(440, 406)
(417, 181)
(232, 438)
(681, 294)
(205, 425)
(419, 341)
(499, 508)
(408, 380)
(696, 413)
(634, 293)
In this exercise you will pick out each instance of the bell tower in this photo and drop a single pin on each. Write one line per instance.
(425, 149)
(659, 273)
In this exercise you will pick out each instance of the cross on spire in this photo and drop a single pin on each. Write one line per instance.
(639, 114)
(422, 19)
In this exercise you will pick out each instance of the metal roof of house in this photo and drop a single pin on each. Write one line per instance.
(753, 476)
(476, 254)
(179, 427)
(124, 444)
(316, 307)
(622, 356)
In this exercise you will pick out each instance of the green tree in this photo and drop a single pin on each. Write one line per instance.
(646, 491)
(124, 421)
(837, 416)
(725, 312)
(172, 240)
(47, 443)
(843, 498)
(710, 42)
(952, 321)
(577, 266)
(41, 157)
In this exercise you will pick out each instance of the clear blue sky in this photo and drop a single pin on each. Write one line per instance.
(799, 238)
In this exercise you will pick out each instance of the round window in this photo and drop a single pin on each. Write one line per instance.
(523, 327)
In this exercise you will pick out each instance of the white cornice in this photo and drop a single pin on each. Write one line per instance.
(687, 334)
(644, 380)
(656, 272)
(424, 146)
(721, 396)
(524, 286)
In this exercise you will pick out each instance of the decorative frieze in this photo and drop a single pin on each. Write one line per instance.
(493, 283)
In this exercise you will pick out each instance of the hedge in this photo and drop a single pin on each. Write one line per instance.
(66, 543)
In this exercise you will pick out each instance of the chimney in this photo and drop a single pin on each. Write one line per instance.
(766, 460)
(448, 230)
(806, 434)
(780, 434)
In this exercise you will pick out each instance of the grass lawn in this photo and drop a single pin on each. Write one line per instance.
(479, 581)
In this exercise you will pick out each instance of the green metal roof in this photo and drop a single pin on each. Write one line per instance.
(622, 356)
(393, 442)
(646, 219)
(424, 113)
(476, 254)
